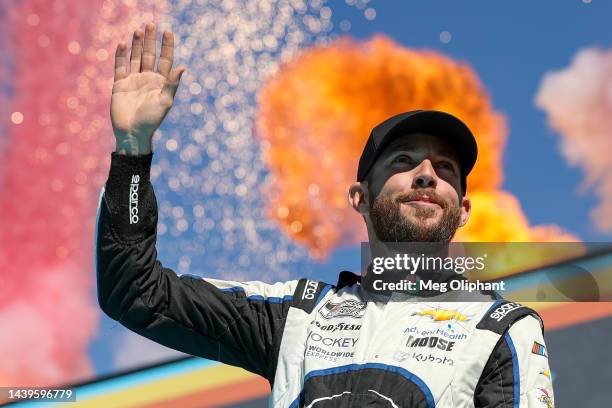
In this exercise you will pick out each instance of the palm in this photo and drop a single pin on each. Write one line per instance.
(137, 104)
(142, 98)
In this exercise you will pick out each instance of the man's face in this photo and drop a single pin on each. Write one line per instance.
(414, 191)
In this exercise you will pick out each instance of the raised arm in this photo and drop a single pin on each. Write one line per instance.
(232, 322)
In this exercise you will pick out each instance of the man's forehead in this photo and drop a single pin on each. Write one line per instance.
(414, 141)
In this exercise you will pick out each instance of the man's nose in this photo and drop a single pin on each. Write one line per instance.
(425, 176)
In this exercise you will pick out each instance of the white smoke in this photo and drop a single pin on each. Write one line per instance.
(578, 101)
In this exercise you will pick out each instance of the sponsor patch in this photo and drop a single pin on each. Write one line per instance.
(134, 199)
(346, 308)
(430, 342)
(340, 326)
(423, 358)
(539, 349)
(504, 315)
(329, 355)
(310, 290)
(337, 342)
(438, 331)
(503, 310)
(440, 315)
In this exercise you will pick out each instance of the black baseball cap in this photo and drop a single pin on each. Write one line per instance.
(433, 122)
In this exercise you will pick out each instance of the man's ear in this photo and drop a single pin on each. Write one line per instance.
(358, 197)
(466, 210)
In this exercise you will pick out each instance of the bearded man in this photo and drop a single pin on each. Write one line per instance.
(318, 344)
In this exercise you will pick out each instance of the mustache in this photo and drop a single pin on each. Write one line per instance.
(417, 194)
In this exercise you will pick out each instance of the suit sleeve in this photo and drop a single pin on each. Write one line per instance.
(237, 323)
(517, 374)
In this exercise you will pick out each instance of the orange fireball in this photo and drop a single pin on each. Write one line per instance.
(317, 111)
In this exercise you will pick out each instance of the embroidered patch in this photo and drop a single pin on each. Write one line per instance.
(539, 349)
(346, 308)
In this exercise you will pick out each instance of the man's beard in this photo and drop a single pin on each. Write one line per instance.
(390, 225)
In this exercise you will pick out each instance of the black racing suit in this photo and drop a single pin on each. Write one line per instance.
(317, 344)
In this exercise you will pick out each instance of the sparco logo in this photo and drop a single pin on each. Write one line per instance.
(502, 311)
(348, 308)
(134, 199)
(310, 290)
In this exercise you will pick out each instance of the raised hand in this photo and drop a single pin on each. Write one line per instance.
(142, 98)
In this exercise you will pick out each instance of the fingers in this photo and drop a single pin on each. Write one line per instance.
(120, 62)
(136, 55)
(143, 54)
(171, 85)
(150, 45)
(167, 54)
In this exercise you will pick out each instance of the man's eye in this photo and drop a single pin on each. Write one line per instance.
(402, 158)
(445, 165)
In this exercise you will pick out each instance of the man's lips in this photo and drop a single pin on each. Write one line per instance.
(423, 200)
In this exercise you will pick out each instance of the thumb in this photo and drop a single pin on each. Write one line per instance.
(172, 83)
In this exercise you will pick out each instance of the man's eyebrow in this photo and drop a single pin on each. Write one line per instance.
(447, 155)
(391, 149)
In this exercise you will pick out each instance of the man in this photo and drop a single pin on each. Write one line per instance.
(321, 345)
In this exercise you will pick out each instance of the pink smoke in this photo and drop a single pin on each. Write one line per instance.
(55, 157)
(578, 101)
